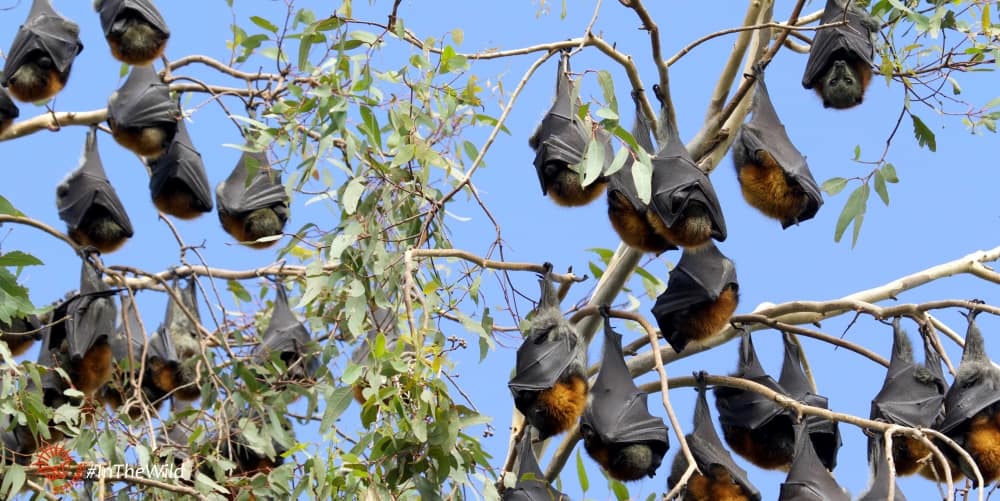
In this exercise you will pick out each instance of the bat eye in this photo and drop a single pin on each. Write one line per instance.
(44, 62)
(62, 191)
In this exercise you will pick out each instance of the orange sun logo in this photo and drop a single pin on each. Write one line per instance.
(55, 464)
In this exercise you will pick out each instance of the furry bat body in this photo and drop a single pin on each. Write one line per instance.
(40, 58)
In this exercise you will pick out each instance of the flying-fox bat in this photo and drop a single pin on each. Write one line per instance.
(127, 344)
(911, 395)
(773, 175)
(878, 488)
(20, 333)
(90, 206)
(178, 184)
(8, 111)
(531, 484)
(134, 29)
(701, 296)
(808, 479)
(249, 459)
(176, 347)
(825, 434)
(688, 210)
(629, 215)
(142, 115)
(87, 331)
(971, 413)
(618, 430)
(718, 478)
(287, 339)
(550, 378)
(52, 355)
(756, 428)
(840, 60)
(41, 57)
(251, 210)
(384, 321)
(560, 141)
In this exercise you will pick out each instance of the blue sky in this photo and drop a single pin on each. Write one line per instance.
(943, 208)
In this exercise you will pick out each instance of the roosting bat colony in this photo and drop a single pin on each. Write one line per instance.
(550, 385)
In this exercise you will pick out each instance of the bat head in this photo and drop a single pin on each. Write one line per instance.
(180, 171)
(976, 386)
(86, 193)
(287, 338)
(47, 34)
(8, 110)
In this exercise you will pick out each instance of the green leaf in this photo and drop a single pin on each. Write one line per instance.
(13, 480)
(621, 492)
(608, 89)
(593, 162)
(880, 187)
(642, 173)
(336, 403)
(854, 208)
(581, 472)
(923, 134)
(7, 208)
(889, 172)
(18, 258)
(352, 194)
(264, 23)
(458, 36)
(834, 185)
(238, 290)
(618, 162)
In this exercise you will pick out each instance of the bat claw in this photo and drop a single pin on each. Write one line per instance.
(605, 311)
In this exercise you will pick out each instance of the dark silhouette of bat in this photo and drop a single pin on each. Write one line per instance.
(825, 434)
(878, 488)
(718, 478)
(178, 184)
(89, 205)
(127, 346)
(8, 111)
(41, 57)
(550, 377)
(701, 296)
(756, 428)
(773, 175)
(683, 197)
(618, 431)
(808, 479)
(142, 115)
(20, 333)
(911, 395)
(134, 29)
(288, 340)
(86, 332)
(175, 350)
(250, 210)
(384, 321)
(971, 413)
(249, 460)
(531, 484)
(840, 60)
(629, 215)
(560, 141)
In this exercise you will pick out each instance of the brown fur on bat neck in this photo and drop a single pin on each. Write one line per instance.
(265, 222)
(37, 79)
(99, 230)
(563, 186)
(134, 41)
(691, 230)
(177, 199)
(632, 226)
(150, 142)
(718, 485)
(767, 188)
(771, 446)
(703, 320)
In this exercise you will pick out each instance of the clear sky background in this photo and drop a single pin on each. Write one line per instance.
(943, 208)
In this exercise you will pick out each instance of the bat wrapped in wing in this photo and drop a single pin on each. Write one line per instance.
(878, 489)
(89, 205)
(40, 58)
(288, 340)
(626, 211)
(618, 430)
(773, 174)
(808, 479)
(142, 115)
(972, 409)
(252, 209)
(549, 385)
(718, 477)
(840, 59)
(128, 344)
(531, 484)
(824, 433)
(702, 294)
(911, 395)
(134, 29)
(178, 183)
(560, 141)
(175, 349)
(755, 427)
(8, 111)
(20, 333)
(683, 197)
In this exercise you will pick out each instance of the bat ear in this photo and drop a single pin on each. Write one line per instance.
(975, 347)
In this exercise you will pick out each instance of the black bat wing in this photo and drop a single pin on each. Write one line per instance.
(747, 409)
(879, 488)
(905, 400)
(622, 181)
(285, 335)
(962, 403)
(707, 448)
(8, 110)
(47, 31)
(677, 181)
(161, 347)
(132, 335)
(808, 479)
(87, 186)
(793, 380)
(534, 488)
(765, 132)
(109, 10)
(236, 196)
(618, 412)
(562, 136)
(540, 362)
(855, 38)
(91, 313)
(143, 101)
(52, 338)
(182, 163)
(699, 276)
(384, 321)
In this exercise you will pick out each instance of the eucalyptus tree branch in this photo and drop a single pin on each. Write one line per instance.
(34, 223)
(657, 54)
(755, 13)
